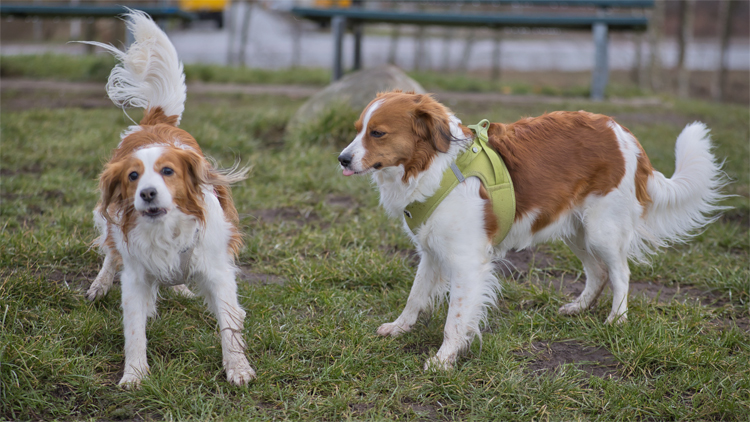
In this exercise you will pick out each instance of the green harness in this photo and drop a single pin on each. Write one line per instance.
(481, 161)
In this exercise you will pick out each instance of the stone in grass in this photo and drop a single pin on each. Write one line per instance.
(349, 96)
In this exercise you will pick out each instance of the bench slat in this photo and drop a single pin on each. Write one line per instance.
(462, 19)
(89, 11)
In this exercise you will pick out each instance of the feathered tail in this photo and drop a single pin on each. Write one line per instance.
(149, 74)
(688, 200)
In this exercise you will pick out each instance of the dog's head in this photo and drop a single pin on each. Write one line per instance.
(156, 169)
(398, 129)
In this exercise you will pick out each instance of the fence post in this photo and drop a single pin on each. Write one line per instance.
(720, 75)
(600, 75)
(684, 38)
(338, 24)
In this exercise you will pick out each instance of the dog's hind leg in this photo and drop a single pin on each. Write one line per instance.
(427, 287)
(596, 277)
(604, 252)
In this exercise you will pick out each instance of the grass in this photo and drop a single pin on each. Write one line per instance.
(338, 267)
(96, 68)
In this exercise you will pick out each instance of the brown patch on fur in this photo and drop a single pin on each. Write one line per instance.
(490, 219)
(415, 128)
(155, 116)
(183, 155)
(643, 172)
(224, 193)
(557, 159)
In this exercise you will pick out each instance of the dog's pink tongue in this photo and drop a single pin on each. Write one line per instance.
(348, 172)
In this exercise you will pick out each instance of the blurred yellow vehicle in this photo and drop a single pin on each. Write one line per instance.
(206, 9)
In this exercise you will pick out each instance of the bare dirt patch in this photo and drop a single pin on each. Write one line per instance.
(427, 412)
(248, 276)
(547, 357)
(285, 214)
(342, 201)
(518, 263)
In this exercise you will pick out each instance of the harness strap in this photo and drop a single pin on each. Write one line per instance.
(480, 161)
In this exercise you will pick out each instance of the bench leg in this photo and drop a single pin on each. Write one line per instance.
(358, 47)
(338, 26)
(600, 74)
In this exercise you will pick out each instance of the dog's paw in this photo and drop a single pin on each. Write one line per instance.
(239, 372)
(392, 329)
(616, 319)
(572, 308)
(130, 381)
(183, 291)
(436, 364)
(96, 291)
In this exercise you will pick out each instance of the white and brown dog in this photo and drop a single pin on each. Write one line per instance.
(166, 215)
(577, 176)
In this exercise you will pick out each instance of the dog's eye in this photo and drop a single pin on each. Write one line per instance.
(376, 134)
(133, 176)
(166, 171)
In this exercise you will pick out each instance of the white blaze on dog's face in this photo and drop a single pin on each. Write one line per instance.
(154, 182)
(398, 129)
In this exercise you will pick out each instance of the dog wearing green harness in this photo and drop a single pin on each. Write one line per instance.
(468, 194)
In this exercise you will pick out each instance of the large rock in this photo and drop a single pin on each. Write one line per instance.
(356, 90)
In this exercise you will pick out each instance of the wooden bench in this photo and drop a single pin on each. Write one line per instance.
(600, 22)
(90, 11)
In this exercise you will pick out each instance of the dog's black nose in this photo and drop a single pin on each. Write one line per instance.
(345, 159)
(148, 194)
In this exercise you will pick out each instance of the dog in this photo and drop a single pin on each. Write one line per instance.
(166, 214)
(576, 176)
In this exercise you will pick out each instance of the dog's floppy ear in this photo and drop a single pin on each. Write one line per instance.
(431, 123)
(110, 185)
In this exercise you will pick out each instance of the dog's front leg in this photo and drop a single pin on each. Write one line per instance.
(138, 303)
(103, 281)
(473, 287)
(424, 291)
(221, 296)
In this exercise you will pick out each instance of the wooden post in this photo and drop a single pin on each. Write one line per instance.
(600, 75)
(357, 46)
(684, 39)
(419, 48)
(232, 32)
(495, 73)
(296, 44)
(393, 44)
(655, 32)
(639, 69)
(464, 65)
(720, 75)
(245, 34)
(75, 24)
(338, 26)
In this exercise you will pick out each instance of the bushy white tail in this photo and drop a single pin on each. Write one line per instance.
(149, 74)
(688, 200)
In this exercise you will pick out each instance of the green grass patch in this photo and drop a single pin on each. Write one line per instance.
(97, 67)
(338, 268)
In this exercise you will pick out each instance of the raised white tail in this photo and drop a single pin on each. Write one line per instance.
(149, 74)
(688, 200)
